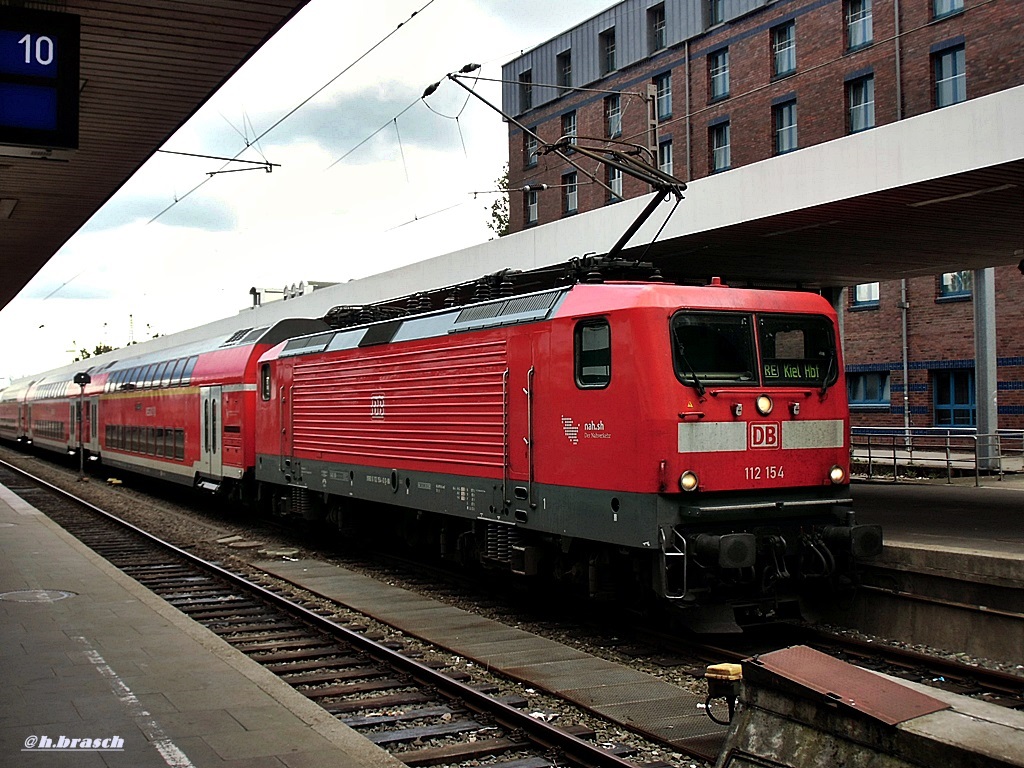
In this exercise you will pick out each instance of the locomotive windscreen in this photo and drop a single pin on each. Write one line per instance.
(797, 350)
(718, 348)
(714, 347)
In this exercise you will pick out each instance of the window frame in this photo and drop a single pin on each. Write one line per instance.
(856, 88)
(569, 120)
(657, 29)
(718, 74)
(959, 287)
(663, 95)
(871, 301)
(613, 116)
(716, 12)
(570, 193)
(563, 63)
(614, 180)
(666, 161)
(946, 380)
(526, 90)
(779, 111)
(531, 207)
(531, 150)
(714, 133)
(578, 351)
(859, 14)
(606, 50)
(783, 55)
(857, 388)
(955, 7)
(957, 78)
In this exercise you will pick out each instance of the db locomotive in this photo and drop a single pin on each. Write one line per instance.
(684, 442)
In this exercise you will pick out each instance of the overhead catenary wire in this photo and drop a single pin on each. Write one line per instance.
(304, 102)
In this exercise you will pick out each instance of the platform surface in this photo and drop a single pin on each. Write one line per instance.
(86, 653)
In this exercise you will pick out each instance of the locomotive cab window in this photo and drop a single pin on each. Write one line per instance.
(593, 353)
(265, 381)
(713, 348)
(797, 350)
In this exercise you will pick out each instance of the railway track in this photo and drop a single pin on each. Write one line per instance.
(422, 712)
(392, 712)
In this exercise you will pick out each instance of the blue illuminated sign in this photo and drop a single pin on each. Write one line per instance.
(38, 78)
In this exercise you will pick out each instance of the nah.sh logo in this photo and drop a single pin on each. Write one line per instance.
(765, 434)
(572, 431)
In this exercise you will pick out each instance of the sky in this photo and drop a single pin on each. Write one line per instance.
(340, 206)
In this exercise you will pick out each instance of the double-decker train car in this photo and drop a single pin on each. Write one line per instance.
(688, 441)
(183, 413)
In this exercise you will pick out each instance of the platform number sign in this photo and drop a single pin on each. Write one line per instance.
(39, 78)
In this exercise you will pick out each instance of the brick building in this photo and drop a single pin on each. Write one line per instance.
(707, 86)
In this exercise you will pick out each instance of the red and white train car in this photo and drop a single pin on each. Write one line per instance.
(692, 440)
(183, 413)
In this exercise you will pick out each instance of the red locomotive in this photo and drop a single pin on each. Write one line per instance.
(691, 442)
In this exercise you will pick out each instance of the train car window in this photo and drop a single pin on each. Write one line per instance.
(797, 350)
(265, 381)
(159, 441)
(160, 378)
(151, 441)
(713, 348)
(190, 365)
(593, 354)
(150, 379)
(179, 369)
(179, 444)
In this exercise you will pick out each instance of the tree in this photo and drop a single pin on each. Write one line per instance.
(499, 208)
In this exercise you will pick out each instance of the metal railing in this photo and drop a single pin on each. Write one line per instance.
(910, 451)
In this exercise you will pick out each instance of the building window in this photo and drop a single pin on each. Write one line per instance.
(569, 126)
(656, 39)
(615, 184)
(956, 285)
(867, 389)
(665, 156)
(784, 48)
(860, 99)
(593, 353)
(718, 74)
(612, 117)
(564, 65)
(865, 295)
(606, 43)
(785, 127)
(526, 90)
(946, 7)
(529, 150)
(716, 12)
(859, 30)
(531, 207)
(950, 77)
(569, 196)
(663, 84)
(721, 153)
(954, 397)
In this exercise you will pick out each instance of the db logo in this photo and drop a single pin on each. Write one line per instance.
(765, 434)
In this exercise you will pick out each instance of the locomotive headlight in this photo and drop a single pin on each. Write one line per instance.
(688, 481)
(836, 474)
(764, 405)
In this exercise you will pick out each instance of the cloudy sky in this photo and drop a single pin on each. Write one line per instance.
(341, 205)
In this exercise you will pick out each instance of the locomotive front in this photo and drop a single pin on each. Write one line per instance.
(758, 488)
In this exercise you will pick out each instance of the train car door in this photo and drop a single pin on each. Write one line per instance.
(211, 459)
(519, 405)
(92, 430)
